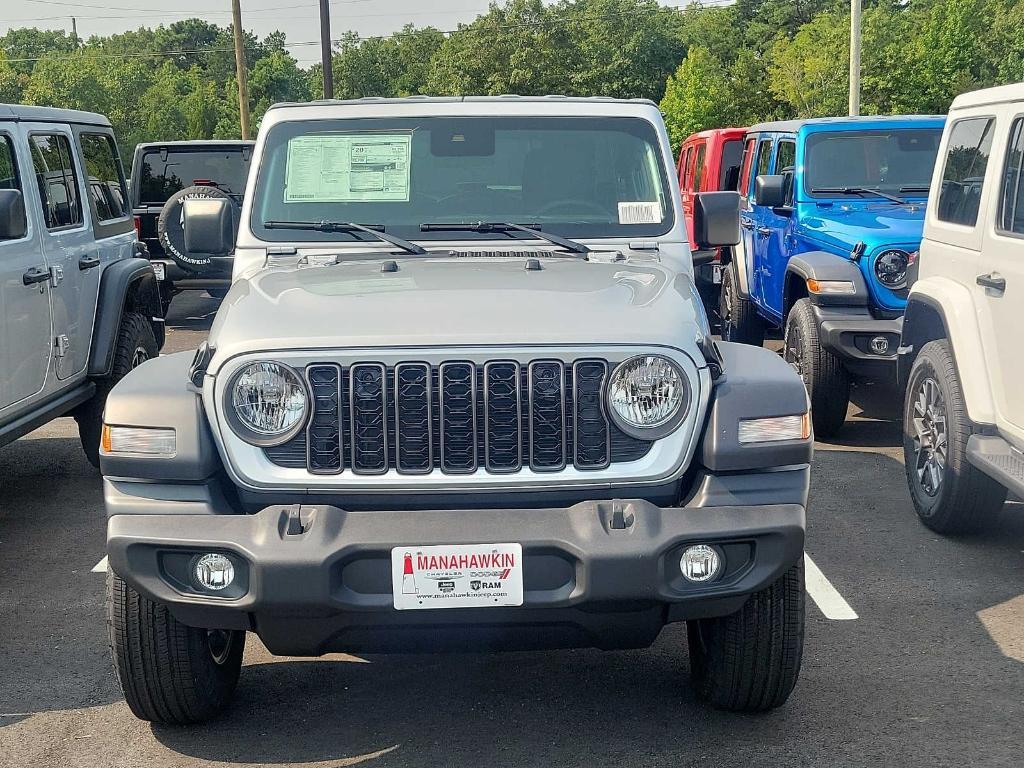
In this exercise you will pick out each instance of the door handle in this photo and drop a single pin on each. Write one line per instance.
(764, 231)
(992, 280)
(35, 275)
(88, 262)
(747, 223)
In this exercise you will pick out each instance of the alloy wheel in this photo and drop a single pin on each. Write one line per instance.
(139, 356)
(930, 436)
(220, 642)
(793, 353)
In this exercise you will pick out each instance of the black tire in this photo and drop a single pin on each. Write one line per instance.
(171, 231)
(738, 317)
(826, 380)
(135, 344)
(166, 295)
(169, 672)
(750, 661)
(217, 293)
(950, 494)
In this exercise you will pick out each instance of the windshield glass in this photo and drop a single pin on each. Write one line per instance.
(576, 177)
(894, 161)
(167, 171)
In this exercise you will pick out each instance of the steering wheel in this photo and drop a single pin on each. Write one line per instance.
(571, 203)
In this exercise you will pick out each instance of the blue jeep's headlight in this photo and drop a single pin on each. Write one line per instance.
(891, 268)
(266, 403)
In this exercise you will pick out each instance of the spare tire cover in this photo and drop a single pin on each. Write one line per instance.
(170, 227)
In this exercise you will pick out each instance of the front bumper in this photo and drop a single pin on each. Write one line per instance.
(598, 573)
(847, 332)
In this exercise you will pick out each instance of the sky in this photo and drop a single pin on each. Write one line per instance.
(298, 19)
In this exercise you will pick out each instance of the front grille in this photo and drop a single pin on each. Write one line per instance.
(458, 417)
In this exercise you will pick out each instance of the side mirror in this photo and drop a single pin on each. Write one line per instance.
(770, 191)
(209, 226)
(716, 219)
(13, 221)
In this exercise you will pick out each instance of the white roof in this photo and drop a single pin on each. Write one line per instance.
(999, 95)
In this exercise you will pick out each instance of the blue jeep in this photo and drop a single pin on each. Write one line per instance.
(832, 211)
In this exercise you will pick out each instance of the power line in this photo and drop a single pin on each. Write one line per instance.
(191, 14)
(448, 33)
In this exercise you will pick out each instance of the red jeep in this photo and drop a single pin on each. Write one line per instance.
(709, 161)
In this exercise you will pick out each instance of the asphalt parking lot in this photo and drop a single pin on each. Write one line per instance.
(930, 672)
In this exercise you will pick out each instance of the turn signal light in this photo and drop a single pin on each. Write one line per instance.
(831, 286)
(145, 441)
(775, 429)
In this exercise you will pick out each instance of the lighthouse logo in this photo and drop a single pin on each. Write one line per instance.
(408, 577)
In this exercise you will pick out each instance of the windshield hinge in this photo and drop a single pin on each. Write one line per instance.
(281, 250)
(644, 245)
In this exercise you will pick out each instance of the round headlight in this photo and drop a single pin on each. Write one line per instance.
(891, 268)
(647, 396)
(267, 403)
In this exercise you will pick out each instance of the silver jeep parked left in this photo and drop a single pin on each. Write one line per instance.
(78, 307)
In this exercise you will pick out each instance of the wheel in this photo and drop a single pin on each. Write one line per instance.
(135, 345)
(169, 672)
(737, 315)
(826, 380)
(950, 494)
(166, 295)
(750, 661)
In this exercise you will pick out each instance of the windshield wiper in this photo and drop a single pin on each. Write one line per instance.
(506, 227)
(376, 230)
(860, 191)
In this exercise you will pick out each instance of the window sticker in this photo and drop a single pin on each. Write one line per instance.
(640, 213)
(348, 168)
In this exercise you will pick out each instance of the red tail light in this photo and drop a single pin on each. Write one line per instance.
(912, 257)
(138, 227)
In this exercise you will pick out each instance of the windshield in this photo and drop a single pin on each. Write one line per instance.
(896, 161)
(576, 177)
(166, 171)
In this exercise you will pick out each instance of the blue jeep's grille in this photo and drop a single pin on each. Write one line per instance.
(458, 417)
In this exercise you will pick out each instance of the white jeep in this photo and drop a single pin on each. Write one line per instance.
(963, 423)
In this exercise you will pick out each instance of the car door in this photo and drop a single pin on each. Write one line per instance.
(999, 284)
(758, 224)
(67, 243)
(777, 226)
(112, 227)
(743, 253)
(686, 189)
(25, 337)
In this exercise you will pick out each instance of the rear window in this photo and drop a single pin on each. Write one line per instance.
(166, 171)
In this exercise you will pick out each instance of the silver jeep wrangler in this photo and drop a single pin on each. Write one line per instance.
(461, 395)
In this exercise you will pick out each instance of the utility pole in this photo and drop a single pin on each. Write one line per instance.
(325, 49)
(854, 57)
(240, 69)
(74, 30)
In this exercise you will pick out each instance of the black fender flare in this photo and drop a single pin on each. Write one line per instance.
(126, 285)
(924, 320)
(822, 265)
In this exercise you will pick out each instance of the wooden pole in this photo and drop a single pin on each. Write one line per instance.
(240, 68)
(325, 49)
(855, 9)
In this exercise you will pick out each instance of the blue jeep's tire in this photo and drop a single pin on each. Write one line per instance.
(737, 315)
(823, 374)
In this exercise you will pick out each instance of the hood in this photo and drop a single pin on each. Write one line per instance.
(877, 224)
(460, 301)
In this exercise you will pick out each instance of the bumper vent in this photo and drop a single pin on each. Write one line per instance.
(457, 418)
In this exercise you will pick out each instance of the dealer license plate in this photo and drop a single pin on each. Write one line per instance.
(158, 270)
(457, 576)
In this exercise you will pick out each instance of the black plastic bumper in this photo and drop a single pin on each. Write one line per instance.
(603, 573)
(847, 332)
(218, 276)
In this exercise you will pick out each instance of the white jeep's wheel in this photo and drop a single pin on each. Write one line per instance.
(950, 494)
(826, 380)
(169, 673)
(750, 661)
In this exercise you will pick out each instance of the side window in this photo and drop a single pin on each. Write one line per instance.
(1011, 197)
(785, 163)
(687, 171)
(58, 183)
(730, 172)
(764, 157)
(748, 163)
(698, 167)
(9, 178)
(106, 184)
(970, 144)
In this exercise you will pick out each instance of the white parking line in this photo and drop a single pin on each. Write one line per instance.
(101, 566)
(824, 595)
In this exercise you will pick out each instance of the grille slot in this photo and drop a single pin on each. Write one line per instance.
(368, 402)
(414, 453)
(456, 417)
(547, 415)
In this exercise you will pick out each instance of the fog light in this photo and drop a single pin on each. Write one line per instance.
(879, 345)
(700, 563)
(214, 571)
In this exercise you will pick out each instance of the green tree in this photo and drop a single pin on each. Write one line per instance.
(696, 96)
(809, 73)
